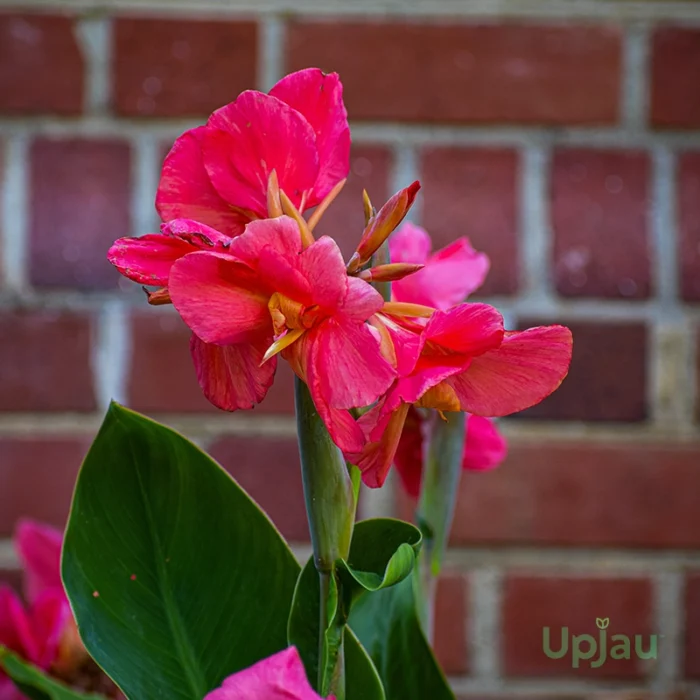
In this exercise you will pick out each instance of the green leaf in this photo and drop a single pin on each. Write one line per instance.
(382, 553)
(34, 683)
(387, 624)
(177, 579)
(362, 680)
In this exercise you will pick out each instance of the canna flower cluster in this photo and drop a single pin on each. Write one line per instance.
(240, 198)
(43, 631)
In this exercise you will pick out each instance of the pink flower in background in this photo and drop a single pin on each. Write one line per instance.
(279, 677)
(39, 631)
(268, 294)
(448, 276)
(218, 173)
(484, 448)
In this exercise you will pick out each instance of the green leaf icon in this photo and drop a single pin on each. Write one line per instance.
(602, 622)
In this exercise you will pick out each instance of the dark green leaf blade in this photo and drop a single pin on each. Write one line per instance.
(176, 578)
(382, 553)
(362, 680)
(34, 683)
(386, 623)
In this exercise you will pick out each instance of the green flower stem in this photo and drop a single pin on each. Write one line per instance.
(442, 472)
(329, 493)
(382, 257)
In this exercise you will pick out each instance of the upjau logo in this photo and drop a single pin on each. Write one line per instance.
(585, 647)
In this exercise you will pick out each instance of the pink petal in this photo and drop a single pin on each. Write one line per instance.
(448, 277)
(279, 677)
(8, 690)
(231, 376)
(9, 604)
(470, 329)
(384, 430)
(409, 244)
(361, 300)
(49, 616)
(349, 365)
(148, 259)
(524, 370)
(39, 549)
(319, 97)
(281, 234)
(283, 275)
(195, 232)
(219, 298)
(408, 459)
(323, 266)
(407, 344)
(185, 190)
(484, 448)
(248, 139)
(342, 427)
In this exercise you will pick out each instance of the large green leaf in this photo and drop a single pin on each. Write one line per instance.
(383, 552)
(387, 624)
(362, 681)
(34, 683)
(176, 578)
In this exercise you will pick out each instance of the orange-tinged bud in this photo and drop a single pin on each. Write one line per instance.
(274, 207)
(382, 225)
(281, 343)
(441, 397)
(390, 272)
(400, 308)
(159, 297)
(369, 209)
(307, 238)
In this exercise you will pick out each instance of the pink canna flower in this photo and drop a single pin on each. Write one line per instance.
(218, 173)
(448, 276)
(484, 448)
(33, 632)
(279, 677)
(461, 359)
(269, 293)
(39, 549)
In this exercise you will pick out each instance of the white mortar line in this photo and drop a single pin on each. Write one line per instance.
(110, 354)
(432, 10)
(271, 39)
(484, 624)
(145, 174)
(635, 65)
(668, 621)
(8, 558)
(14, 209)
(535, 239)
(95, 38)
(378, 503)
(662, 225)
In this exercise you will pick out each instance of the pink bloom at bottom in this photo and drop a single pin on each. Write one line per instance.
(484, 449)
(279, 677)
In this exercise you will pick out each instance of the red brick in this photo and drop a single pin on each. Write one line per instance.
(532, 603)
(268, 469)
(692, 625)
(37, 477)
(162, 378)
(582, 494)
(45, 361)
(628, 694)
(80, 203)
(41, 66)
(607, 377)
(451, 646)
(510, 73)
(599, 210)
(675, 72)
(344, 220)
(176, 68)
(473, 192)
(688, 207)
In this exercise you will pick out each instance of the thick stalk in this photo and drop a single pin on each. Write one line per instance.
(330, 508)
(442, 471)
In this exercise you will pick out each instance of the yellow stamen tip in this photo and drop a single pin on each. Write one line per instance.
(281, 343)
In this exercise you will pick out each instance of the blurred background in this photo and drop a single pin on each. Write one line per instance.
(561, 136)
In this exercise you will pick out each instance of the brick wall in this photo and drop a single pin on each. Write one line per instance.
(562, 138)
